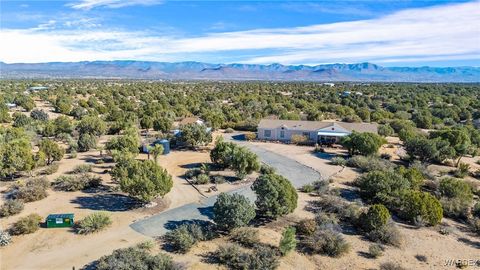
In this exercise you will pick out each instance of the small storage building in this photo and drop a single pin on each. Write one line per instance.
(164, 142)
(60, 220)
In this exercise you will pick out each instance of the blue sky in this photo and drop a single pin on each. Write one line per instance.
(386, 32)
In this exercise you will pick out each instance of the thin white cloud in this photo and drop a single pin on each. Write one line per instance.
(89, 4)
(449, 32)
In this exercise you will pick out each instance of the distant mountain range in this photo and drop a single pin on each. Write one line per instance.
(362, 72)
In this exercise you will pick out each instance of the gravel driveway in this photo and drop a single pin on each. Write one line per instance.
(159, 224)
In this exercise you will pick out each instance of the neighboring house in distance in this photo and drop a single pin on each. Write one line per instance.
(321, 132)
(37, 88)
(11, 105)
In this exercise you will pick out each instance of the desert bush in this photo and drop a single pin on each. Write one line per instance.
(219, 179)
(455, 188)
(26, 225)
(275, 195)
(306, 227)
(262, 258)
(32, 190)
(298, 139)
(229, 130)
(455, 208)
(51, 169)
(136, 258)
(11, 207)
(250, 136)
(231, 256)
(370, 163)
(192, 173)
(326, 241)
(323, 219)
(416, 203)
(476, 210)
(182, 238)
(348, 212)
(288, 242)
(381, 186)
(340, 161)
(388, 235)
(391, 266)
(475, 225)
(232, 211)
(245, 236)
(74, 183)
(94, 222)
(266, 169)
(375, 250)
(39, 115)
(376, 218)
(5, 238)
(202, 179)
(307, 188)
(83, 168)
(462, 170)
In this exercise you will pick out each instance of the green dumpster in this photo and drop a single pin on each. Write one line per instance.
(59, 220)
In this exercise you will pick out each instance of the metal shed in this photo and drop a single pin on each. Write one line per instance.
(59, 220)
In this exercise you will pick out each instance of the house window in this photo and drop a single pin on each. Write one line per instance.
(282, 133)
(267, 133)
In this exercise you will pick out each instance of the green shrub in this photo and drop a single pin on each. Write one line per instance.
(5, 238)
(74, 183)
(262, 258)
(416, 203)
(306, 227)
(391, 266)
(135, 258)
(219, 179)
(307, 188)
(202, 179)
(26, 225)
(454, 188)
(475, 225)
(376, 218)
(192, 173)
(375, 250)
(340, 161)
(288, 242)
(83, 168)
(32, 190)
(266, 169)
(182, 238)
(326, 241)
(370, 163)
(388, 235)
(381, 186)
(462, 170)
(94, 222)
(229, 130)
(245, 236)
(275, 195)
(455, 208)
(231, 256)
(11, 207)
(298, 139)
(476, 210)
(51, 169)
(232, 211)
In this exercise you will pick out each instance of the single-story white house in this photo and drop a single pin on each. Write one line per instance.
(321, 132)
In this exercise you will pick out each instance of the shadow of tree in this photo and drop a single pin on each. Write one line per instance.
(475, 244)
(107, 202)
(173, 224)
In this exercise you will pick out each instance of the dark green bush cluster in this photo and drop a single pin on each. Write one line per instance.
(235, 157)
(232, 211)
(83, 168)
(245, 236)
(457, 197)
(275, 195)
